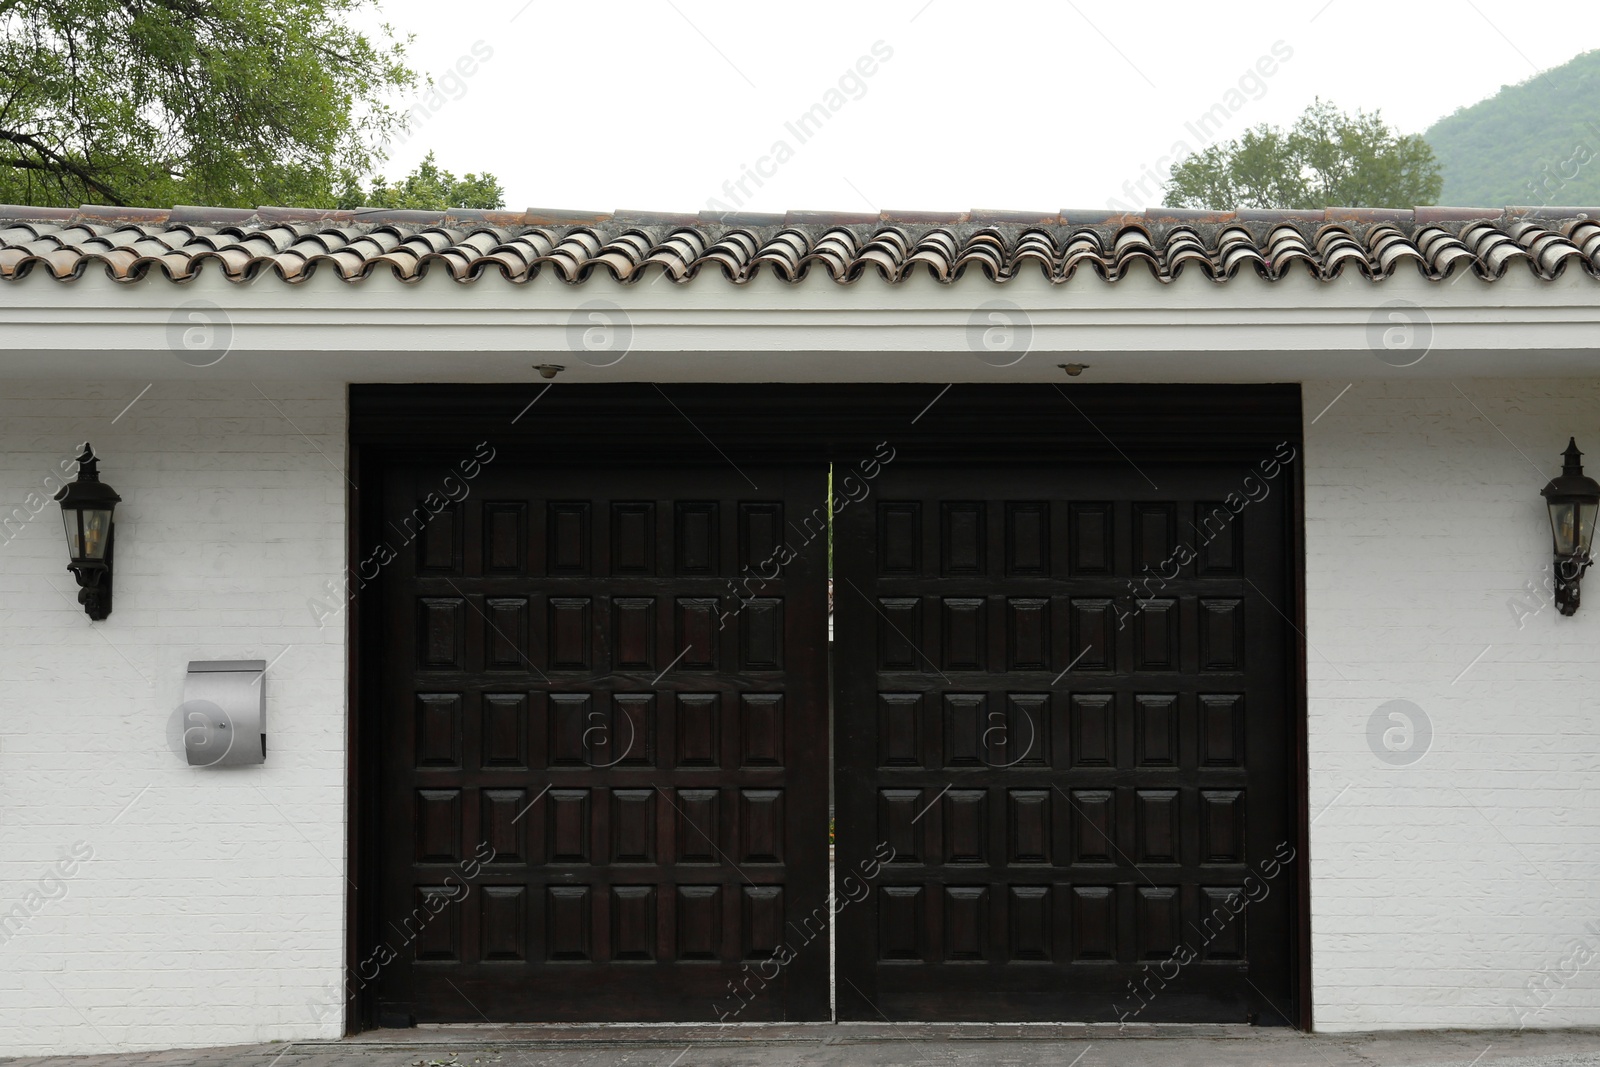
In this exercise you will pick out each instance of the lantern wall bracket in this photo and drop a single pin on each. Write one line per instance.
(1569, 572)
(94, 588)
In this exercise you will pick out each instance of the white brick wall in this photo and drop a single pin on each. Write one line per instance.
(1439, 889)
(212, 911)
(213, 907)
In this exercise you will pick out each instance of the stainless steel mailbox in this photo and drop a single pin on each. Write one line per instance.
(225, 712)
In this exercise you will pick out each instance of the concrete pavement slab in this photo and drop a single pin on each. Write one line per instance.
(860, 1045)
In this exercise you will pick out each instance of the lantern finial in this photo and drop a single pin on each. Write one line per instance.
(1574, 460)
(88, 464)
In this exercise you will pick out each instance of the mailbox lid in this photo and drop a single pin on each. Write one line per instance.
(208, 666)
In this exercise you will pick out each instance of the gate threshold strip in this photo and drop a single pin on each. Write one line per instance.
(637, 1035)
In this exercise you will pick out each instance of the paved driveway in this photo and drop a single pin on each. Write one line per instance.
(822, 1045)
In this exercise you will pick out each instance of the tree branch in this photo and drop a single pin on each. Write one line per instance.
(61, 163)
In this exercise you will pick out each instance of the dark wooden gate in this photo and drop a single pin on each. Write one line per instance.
(590, 772)
(603, 764)
(1064, 710)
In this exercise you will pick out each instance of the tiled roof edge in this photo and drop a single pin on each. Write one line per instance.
(132, 244)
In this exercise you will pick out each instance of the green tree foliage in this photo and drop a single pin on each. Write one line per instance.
(160, 102)
(427, 189)
(1532, 144)
(1327, 159)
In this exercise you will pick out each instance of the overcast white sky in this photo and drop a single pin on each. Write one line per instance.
(660, 104)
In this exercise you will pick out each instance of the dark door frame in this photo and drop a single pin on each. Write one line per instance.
(838, 423)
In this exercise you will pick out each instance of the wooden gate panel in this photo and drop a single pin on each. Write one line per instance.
(1063, 708)
(604, 763)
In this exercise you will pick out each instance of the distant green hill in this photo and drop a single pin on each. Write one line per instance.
(1536, 143)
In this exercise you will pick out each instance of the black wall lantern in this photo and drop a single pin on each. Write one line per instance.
(1573, 501)
(86, 510)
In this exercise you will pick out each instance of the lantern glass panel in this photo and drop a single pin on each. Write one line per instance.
(96, 532)
(69, 519)
(1564, 525)
(1572, 523)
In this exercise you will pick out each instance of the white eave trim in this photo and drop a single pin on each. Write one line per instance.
(1137, 329)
